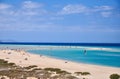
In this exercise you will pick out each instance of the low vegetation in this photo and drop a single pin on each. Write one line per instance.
(30, 67)
(4, 63)
(82, 73)
(114, 76)
(13, 71)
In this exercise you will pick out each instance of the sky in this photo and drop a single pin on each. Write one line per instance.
(83, 21)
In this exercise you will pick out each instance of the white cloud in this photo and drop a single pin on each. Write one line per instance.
(26, 26)
(105, 11)
(90, 28)
(28, 8)
(70, 9)
(31, 8)
(31, 5)
(106, 14)
(4, 6)
(23, 17)
(103, 8)
(30, 12)
(5, 9)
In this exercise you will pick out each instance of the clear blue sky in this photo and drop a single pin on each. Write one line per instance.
(93, 21)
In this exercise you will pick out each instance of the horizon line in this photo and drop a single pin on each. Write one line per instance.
(63, 43)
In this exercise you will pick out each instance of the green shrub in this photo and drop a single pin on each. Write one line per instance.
(114, 76)
(85, 73)
(3, 61)
(82, 73)
(30, 67)
(11, 64)
(78, 73)
(57, 70)
(52, 69)
(71, 77)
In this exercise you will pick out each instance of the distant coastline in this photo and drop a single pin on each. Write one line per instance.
(62, 44)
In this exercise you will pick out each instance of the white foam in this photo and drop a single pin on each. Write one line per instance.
(47, 47)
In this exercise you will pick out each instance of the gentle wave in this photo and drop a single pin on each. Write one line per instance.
(44, 47)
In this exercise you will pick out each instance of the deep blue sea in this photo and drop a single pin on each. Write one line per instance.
(91, 53)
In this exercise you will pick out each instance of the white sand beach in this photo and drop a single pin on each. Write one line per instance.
(23, 58)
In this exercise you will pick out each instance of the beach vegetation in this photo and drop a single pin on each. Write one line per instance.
(11, 64)
(62, 72)
(78, 73)
(4, 63)
(12, 71)
(33, 66)
(52, 69)
(30, 67)
(81, 73)
(57, 71)
(72, 77)
(85, 73)
(114, 76)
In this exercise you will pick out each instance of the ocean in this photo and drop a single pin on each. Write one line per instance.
(105, 54)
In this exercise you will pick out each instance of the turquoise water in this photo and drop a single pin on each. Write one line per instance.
(107, 56)
(99, 57)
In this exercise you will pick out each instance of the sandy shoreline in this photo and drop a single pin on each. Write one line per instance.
(23, 58)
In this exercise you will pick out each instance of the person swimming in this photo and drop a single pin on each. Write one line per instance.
(85, 52)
